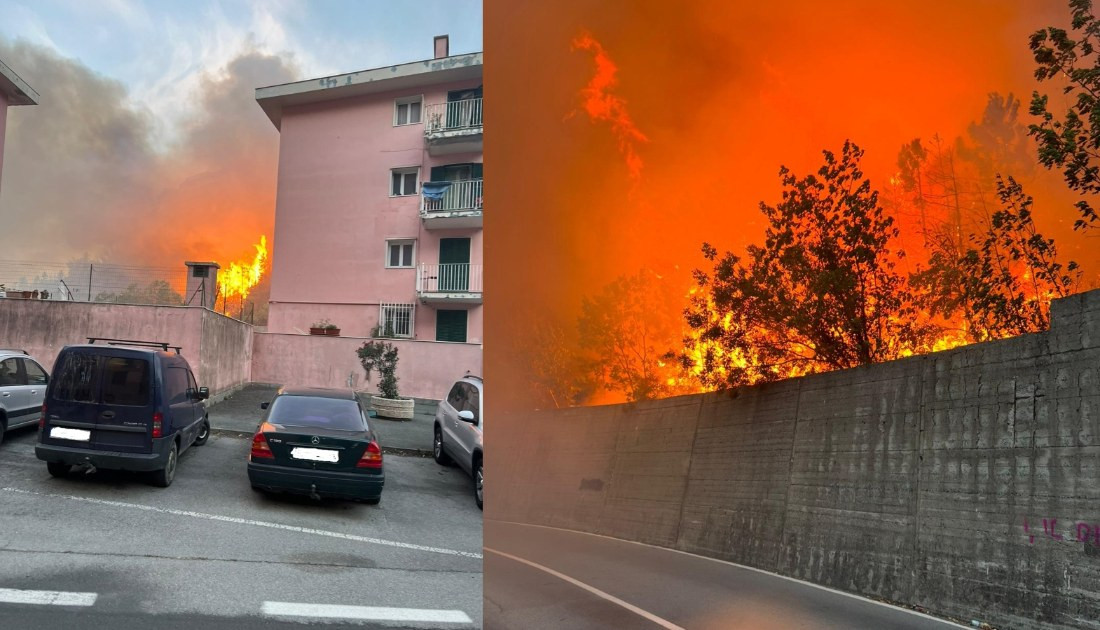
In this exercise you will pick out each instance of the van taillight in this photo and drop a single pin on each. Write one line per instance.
(42, 419)
(372, 457)
(158, 424)
(260, 449)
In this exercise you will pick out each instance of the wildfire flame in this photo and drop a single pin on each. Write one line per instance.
(238, 279)
(602, 105)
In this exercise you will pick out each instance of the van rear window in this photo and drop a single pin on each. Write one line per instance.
(77, 380)
(125, 381)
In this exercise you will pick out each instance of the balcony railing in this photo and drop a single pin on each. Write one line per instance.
(461, 195)
(448, 278)
(453, 116)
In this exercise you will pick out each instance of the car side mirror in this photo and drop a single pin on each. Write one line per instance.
(204, 393)
(264, 405)
(467, 416)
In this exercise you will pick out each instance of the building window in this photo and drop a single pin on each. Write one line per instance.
(399, 254)
(395, 320)
(450, 326)
(406, 111)
(403, 181)
(199, 271)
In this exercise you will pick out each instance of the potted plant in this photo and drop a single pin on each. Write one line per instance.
(382, 356)
(323, 327)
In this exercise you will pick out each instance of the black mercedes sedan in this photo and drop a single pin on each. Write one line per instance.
(317, 442)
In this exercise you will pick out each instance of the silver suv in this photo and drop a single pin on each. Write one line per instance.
(22, 390)
(458, 427)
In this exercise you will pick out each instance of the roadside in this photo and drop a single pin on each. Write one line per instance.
(239, 414)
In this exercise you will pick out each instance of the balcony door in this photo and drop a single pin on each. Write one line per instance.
(454, 264)
(462, 109)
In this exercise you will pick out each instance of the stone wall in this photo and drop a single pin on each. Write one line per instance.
(965, 482)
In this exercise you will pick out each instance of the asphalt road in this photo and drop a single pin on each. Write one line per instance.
(599, 582)
(109, 550)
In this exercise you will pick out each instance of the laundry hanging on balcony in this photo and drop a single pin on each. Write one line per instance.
(434, 190)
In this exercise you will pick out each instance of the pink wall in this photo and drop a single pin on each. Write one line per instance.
(219, 349)
(334, 214)
(425, 369)
(3, 126)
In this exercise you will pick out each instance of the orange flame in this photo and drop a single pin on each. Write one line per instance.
(238, 278)
(602, 105)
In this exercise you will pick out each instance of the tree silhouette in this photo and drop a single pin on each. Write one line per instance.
(1071, 141)
(822, 293)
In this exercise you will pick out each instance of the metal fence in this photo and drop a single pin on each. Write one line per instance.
(85, 281)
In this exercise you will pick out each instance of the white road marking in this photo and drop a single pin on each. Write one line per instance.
(367, 613)
(53, 598)
(664, 623)
(742, 566)
(255, 523)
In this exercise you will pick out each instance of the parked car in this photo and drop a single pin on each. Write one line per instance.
(317, 442)
(123, 405)
(458, 430)
(22, 390)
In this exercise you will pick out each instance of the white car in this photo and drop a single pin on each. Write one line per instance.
(458, 430)
(22, 390)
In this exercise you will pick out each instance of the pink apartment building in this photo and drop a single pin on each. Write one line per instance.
(13, 91)
(378, 215)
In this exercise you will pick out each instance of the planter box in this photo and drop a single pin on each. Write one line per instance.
(327, 332)
(401, 408)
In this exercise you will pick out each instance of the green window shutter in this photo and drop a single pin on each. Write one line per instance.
(450, 326)
(476, 170)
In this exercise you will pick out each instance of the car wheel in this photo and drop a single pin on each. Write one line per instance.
(479, 484)
(57, 469)
(437, 448)
(163, 478)
(3, 429)
(204, 433)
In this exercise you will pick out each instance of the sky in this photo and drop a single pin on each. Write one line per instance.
(656, 126)
(147, 146)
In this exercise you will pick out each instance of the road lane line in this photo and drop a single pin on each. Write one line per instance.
(255, 523)
(591, 589)
(52, 598)
(743, 566)
(366, 613)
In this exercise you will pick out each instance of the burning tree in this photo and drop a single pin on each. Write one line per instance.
(822, 293)
(1071, 141)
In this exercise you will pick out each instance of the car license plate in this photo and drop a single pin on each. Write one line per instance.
(315, 454)
(79, 435)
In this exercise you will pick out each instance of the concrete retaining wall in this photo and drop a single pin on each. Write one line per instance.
(218, 348)
(425, 369)
(966, 482)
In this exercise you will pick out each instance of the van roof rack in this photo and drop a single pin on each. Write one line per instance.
(163, 345)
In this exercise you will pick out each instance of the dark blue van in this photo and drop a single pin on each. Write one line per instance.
(123, 405)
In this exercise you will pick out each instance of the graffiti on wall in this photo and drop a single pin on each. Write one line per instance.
(1080, 532)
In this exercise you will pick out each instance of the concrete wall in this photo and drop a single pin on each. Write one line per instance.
(425, 369)
(219, 349)
(966, 482)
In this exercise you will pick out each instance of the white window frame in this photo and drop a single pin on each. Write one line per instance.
(408, 100)
(390, 242)
(411, 306)
(404, 170)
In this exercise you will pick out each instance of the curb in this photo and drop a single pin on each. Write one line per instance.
(388, 450)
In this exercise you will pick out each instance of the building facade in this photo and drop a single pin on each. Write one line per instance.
(13, 91)
(378, 217)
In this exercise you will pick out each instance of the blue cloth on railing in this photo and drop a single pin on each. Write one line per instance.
(434, 190)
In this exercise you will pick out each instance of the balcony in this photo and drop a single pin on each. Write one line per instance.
(458, 208)
(453, 127)
(449, 283)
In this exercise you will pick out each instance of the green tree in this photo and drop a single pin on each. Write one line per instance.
(1070, 140)
(822, 293)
